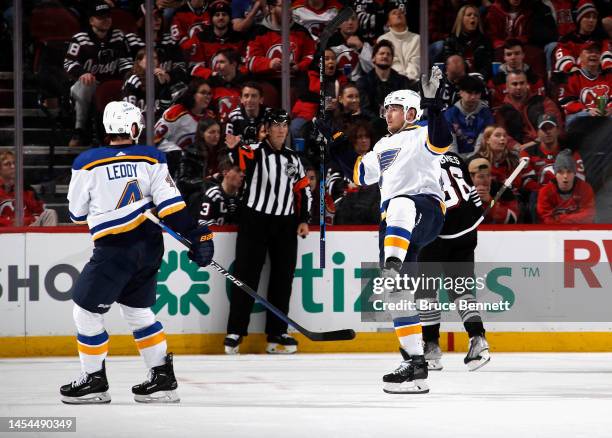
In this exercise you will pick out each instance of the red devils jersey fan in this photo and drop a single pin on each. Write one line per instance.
(202, 46)
(188, 19)
(314, 14)
(264, 52)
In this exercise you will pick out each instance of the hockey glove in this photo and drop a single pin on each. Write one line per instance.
(202, 247)
(431, 98)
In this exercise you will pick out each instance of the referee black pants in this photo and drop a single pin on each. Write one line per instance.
(259, 234)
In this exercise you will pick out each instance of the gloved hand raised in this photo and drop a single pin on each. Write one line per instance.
(202, 247)
(431, 90)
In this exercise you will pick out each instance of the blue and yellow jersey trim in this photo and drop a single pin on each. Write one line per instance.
(93, 158)
(170, 206)
(120, 159)
(435, 149)
(359, 172)
(122, 224)
(78, 219)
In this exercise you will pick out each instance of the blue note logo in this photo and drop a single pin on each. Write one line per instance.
(386, 158)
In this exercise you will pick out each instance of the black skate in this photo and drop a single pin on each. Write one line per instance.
(478, 353)
(433, 354)
(87, 389)
(409, 377)
(232, 344)
(281, 344)
(160, 387)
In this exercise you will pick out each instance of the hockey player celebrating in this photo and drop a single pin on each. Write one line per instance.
(110, 189)
(406, 165)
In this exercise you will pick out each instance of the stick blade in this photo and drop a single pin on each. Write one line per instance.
(331, 27)
(336, 335)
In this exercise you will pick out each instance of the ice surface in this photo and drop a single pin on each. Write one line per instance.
(329, 395)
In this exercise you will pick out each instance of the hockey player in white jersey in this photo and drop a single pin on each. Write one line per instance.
(110, 189)
(406, 166)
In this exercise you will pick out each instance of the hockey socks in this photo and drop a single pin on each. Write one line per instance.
(409, 332)
(151, 342)
(92, 351)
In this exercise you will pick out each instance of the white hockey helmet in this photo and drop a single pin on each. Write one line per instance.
(119, 117)
(407, 99)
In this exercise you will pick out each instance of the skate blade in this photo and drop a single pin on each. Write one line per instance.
(273, 348)
(476, 364)
(418, 386)
(158, 397)
(434, 365)
(89, 399)
(232, 350)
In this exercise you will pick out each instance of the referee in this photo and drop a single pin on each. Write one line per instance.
(276, 206)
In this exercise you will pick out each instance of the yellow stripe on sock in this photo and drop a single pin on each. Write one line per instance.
(409, 330)
(153, 340)
(397, 242)
(93, 351)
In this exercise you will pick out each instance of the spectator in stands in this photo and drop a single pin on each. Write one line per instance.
(247, 118)
(468, 117)
(314, 14)
(353, 53)
(442, 12)
(219, 203)
(307, 104)
(178, 125)
(566, 199)
(569, 47)
(381, 80)
(264, 52)
(508, 19)
(205, 44)
(348, 110)
(189, 19)
(468, 40)
(506, 210)
(354, 204)
(588, 90)
(372, 18)
(226, 81)
(407, 45)
(520, 109)
(247, 13)
(34, 211)
(542, 155)
(455, 69)
(514, 60)
(494, 149)
(200, 159)
(97, 55)
(170, 56)
(134, 90)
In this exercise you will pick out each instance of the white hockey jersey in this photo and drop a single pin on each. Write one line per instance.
(405, 163)
(112, 187)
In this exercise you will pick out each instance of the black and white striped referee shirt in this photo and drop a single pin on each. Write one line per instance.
(276, 180)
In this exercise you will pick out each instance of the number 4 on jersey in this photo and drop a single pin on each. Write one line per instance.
(131, 193)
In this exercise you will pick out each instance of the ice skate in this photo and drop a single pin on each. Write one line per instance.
(478, 353)
(160, 387)
(433, 354)
(281, 344)
(409, 377)
(232, 344)
(87, 389)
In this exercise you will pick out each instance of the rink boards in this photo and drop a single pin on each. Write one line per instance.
(37, 271)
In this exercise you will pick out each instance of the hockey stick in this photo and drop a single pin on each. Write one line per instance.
(324, 37)
(500, 192)
(335, 335)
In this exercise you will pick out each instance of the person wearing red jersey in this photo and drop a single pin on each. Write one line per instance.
(541, 156)
(506, 210)
(566, 199)
(203, 45)
(570, 46)
(514, 60)
(34, 211)
(264, 52)
(189, 19)
(585, 87)
(508, 19)
(314, 14)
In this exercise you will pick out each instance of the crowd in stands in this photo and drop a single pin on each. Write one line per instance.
(519, 74)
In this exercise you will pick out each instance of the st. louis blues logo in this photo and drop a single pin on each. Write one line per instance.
(386, 158)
